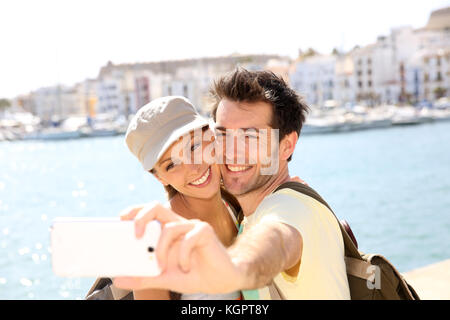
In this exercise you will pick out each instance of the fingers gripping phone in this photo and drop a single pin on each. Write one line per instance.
(92, 247)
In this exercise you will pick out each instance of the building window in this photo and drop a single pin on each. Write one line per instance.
(185, 91)
(346, 83)
(369, 61)
(369, 83)
(359, 84)
(169, 90)
(369, 72)
(425, 77)
(359, 73)
(438, 76)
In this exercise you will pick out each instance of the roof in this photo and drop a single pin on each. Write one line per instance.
(439, 19)
(170, 66)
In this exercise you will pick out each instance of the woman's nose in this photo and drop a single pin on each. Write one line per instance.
(193, 168)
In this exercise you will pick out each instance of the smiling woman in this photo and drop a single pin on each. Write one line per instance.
(177, 175)
(169, 138)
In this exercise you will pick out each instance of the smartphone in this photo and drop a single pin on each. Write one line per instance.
(105, 247)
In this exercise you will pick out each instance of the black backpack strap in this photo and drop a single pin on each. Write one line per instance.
(350, 248)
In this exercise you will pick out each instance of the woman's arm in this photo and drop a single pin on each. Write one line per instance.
(151, 294)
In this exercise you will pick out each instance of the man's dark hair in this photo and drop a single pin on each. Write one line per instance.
(289, 110)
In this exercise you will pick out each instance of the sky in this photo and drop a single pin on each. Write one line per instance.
(46, 42)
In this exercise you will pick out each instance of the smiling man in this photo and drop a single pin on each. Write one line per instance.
(290, 246)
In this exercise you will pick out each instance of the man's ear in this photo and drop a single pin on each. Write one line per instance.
(287, 145)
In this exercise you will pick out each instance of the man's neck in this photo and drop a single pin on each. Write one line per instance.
(250, 201)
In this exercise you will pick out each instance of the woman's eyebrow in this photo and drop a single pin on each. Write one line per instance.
(162, 161)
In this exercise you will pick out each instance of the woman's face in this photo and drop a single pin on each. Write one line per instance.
(195, 178)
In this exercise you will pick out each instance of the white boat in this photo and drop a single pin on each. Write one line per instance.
(405, 116)
(440, 114)
(53, 134)
(315, 125)
(97, 132)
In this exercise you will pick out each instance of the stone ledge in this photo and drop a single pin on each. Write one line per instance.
(431, 282)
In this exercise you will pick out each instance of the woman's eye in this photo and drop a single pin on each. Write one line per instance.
(170, 166)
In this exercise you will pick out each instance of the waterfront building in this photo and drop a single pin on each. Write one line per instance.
(375, 73)
(124, 88)
(406, 66)
(86, 97)
(430, 74)
(52, 104)
(345, 91)
(314, 78)
(115, 91)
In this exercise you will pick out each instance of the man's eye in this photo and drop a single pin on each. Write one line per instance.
(195, 146)
(220, 134)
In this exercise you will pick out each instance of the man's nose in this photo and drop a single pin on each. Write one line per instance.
(233, 152)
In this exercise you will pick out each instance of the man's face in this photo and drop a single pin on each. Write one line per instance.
(243, 162)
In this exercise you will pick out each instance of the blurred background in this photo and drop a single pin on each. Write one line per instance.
(375, 144)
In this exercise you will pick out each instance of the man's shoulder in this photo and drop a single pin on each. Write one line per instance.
(284, 197)
(282, 203)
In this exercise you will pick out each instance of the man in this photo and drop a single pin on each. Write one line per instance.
(291, 246)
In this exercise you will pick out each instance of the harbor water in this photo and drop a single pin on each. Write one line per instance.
(392, 186)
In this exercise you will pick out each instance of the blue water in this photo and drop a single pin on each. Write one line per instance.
(392, 185)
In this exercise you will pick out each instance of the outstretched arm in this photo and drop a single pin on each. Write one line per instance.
(265, 250)
(194, 260)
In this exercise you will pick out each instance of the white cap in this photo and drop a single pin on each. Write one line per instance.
(158, 124)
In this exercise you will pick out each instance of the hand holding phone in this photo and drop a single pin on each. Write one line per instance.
(108, 247)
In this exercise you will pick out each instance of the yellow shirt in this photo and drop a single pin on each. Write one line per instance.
(322, 273)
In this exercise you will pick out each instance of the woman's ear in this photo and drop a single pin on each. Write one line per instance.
(287, 145)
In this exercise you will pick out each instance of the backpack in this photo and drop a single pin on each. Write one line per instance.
(370, 276)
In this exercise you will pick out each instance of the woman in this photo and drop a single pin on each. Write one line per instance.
(166, 136)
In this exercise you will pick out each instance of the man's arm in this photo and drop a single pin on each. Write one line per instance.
(265, 250)
(193, 259)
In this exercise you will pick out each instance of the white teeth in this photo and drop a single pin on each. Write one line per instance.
(237, 168)
(202, 179)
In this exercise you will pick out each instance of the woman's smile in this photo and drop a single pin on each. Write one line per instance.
(203, 180)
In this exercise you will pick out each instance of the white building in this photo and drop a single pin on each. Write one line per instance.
(56, 103)
(376, 73)
(345, 89)
(124, 88)
(314, 78)
(407, 66)
(431, 74)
